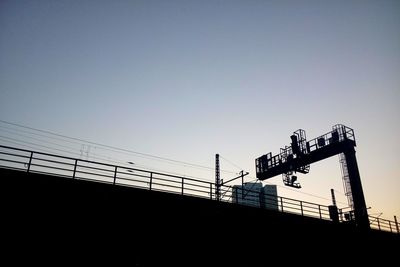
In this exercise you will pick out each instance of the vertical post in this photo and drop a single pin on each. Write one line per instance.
(319, 209)
(333, 197)
(390, 226)
(74, 173)
(379, 225)
(30, 161)
(115, 174)
(241, 173)
(301, 206)
(211, 193)
(333, 213)
(217, 179)
(236, 196)
(281, 204)
(397, 224)
(151, 180)
(183, 179)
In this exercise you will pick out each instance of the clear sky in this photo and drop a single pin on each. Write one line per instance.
(188, 79)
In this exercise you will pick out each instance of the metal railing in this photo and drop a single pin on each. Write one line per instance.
(73, 168)
(384, 224)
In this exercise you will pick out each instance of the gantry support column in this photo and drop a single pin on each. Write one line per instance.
(360, 208)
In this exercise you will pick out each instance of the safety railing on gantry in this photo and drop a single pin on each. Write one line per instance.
(73, 168)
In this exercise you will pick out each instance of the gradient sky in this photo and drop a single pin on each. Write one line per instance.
(189, 79)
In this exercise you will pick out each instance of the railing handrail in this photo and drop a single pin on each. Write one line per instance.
(101, 163)
(283, 204)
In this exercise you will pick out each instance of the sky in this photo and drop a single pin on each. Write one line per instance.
(185, 80)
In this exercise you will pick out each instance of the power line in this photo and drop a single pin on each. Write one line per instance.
(70, 150)
(42, 135)
(30, 143)
(233, 164)
(124, 151)
(340, 192)
(37, 139)
(106, 158)
(116, 148)
(107, 146)
(50, 150)
(26, 146)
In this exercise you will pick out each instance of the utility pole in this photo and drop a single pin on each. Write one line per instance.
(217, 179)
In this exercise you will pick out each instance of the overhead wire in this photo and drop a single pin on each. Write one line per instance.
(106, 158)
(40, 140)
(25, 146)
(42, 135)
(116, 149)
(50, 150)
(79, 141)
(230, 162)
(30, 143)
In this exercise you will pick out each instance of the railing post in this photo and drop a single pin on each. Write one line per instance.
(301, 207)
(151, 180)
(115, 174)
(319, 209)
(73, 174)
(211, 191)
(30, 161)
(379, 225)
(397, 225)
(183, 179)
(390, 226)
(281, 204)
